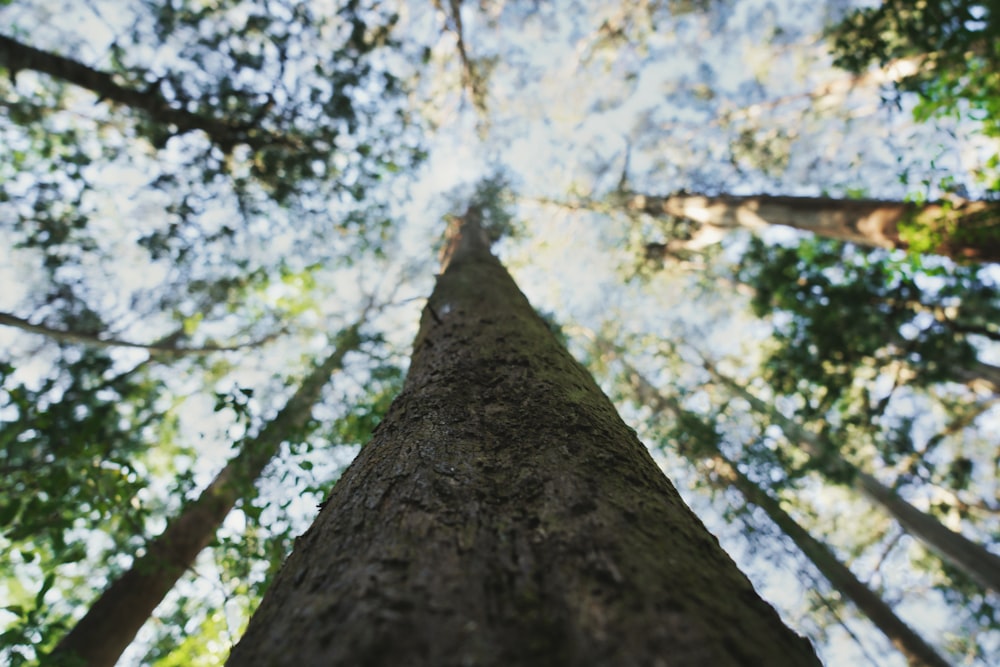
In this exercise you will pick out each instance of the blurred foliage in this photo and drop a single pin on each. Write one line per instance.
(494, 199)
(315, 104)
(74, 460)
(72, 451)
(358, 424)
(276, 85)
(842, 309)
(866, 346)
(958, 44)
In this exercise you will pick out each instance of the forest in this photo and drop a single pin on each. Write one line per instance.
(430, 332)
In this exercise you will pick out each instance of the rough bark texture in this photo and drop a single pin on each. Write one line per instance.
(16, 56)
(918, 652)
(974, 559)
(111, 623)
(964, 231)
(503, 514)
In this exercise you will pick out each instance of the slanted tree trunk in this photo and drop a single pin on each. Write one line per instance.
(503, 514)
(973, 559)
(918, 652)
(111, 623)
(963, 230)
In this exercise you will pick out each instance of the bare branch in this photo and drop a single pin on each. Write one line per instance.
(159, 349)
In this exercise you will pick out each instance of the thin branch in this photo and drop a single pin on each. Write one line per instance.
(166, 349)
(471, 79)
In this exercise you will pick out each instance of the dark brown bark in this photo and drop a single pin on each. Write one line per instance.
(111, 623)
(16, 56)
(973, 559)
(918, 652)
(962, 230)
(503, 514)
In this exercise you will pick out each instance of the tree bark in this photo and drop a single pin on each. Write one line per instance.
(918, 652)
(111, 623)
(973, 559)
(980, 376)
(16, 56)
(962, 230)
(503, 514)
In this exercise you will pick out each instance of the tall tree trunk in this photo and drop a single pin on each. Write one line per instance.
(964, 230)
(111, 623)
(503, 514)
(918, 653)
(973, 559)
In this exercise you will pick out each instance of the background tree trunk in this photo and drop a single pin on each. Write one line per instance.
(503, 514)
(112, 622)
(964, 230)
(918, 652)
(16, 56)
(973, 559)
(980, 376)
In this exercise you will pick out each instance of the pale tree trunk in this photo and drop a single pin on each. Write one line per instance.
(917, 651)
(111, 623)
(503, 514)
(973, 559)
(963, 230)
